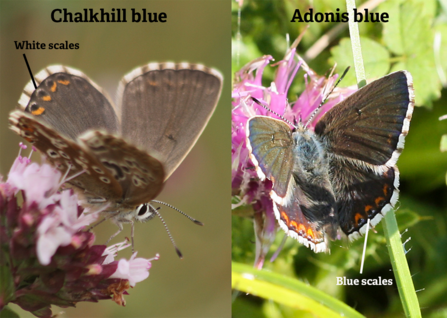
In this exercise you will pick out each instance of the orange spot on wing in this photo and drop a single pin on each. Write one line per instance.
(368, 208)
(38, 111)
(294, 225)
(378, 200)
(53, 88)
(63, 82)
(385, 190)
(358, 217)
(310, 233)
(285, 217)
(47, 98)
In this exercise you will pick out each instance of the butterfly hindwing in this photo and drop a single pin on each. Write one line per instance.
(64, 154)
(164, 107)
(363, 192)
(309, 215)
(292, 220)
(140, 175)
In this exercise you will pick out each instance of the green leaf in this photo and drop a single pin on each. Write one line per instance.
(7, 286)
(409, 35)
(375, 58)
(288, 291)
(392, 32)
(429, 7)
(392, 36)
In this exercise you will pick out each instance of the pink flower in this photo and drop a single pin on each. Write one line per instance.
(59, 222)
(112, 251)
(38, 182)
(134, 270)
(46, 258)
(246, 186)
(50, 237)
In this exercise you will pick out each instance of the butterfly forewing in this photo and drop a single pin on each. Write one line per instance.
(165, 107)
(270, 143)
(69, 102)
(371, 124)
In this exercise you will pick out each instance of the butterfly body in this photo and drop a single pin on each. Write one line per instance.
(310, 156)
(331, 179)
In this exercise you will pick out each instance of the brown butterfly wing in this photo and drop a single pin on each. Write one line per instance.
(164, 107)
(69, 102)
(140, 175)
(65, 154)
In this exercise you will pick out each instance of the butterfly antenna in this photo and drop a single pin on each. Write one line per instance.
(167, 230)
(273, 112)
(95, 225)
(179, 211)
(326, 96)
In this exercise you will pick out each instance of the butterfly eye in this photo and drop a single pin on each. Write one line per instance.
(144, 213)
(142, 210)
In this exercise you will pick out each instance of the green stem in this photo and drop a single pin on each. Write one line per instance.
(400, 266)
(399, 263)
(356, 46)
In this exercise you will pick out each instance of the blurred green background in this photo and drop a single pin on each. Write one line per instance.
(415, 39)
(196, 31)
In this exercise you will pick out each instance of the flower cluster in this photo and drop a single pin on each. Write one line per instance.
(46, 258)
(246, 186)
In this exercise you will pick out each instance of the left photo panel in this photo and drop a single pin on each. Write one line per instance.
(114, 161)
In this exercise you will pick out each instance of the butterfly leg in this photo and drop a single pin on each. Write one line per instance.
(120, 228)
(132, 223)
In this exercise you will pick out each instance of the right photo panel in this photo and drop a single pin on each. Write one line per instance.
(339, 158)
